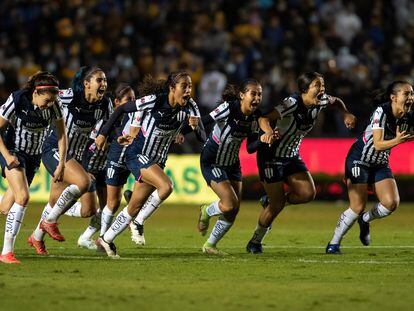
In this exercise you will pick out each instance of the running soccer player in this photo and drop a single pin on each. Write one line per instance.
(28, 114)
(367, 162)
(108, 166)
(166, 107)
(235, 119)
(281, 163)
(83, 107)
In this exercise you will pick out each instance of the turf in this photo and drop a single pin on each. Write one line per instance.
(171, 273)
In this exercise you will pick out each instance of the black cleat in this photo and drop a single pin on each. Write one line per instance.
(333, 249)
(364, 235)
(254, 248)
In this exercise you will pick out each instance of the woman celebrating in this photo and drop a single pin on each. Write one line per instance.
(83, 106)
(235, 119)
(281, 162)
(367, 163)
(28, 113)
(166, 106)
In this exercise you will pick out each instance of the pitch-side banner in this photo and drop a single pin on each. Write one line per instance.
(184, 171)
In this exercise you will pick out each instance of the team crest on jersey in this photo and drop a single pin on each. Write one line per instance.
(181, 116)
(98, 114)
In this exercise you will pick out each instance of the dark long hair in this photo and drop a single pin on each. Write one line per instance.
(381, 96)
(232, 91)
(150, 85)
(305, 79)
(85, 73)
(42, 82)
(121, 90)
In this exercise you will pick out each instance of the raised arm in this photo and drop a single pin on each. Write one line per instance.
(349, 118)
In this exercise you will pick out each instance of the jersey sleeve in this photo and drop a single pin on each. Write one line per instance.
(66, 96)
(7, 110)
(221, 112)
(96, 130)
(136, 119)
(378, 119)
(57, 110)
(287, 106)
(193, 108)
(145, 103)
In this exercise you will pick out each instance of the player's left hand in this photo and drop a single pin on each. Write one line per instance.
(193, 122)
(349, 120)
(100, 142)
(58, 174)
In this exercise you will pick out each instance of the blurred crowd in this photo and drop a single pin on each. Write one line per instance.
(358, 45)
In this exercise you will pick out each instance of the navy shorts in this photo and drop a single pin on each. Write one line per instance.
(213, 172)
(30, 163)
(278, 169)
(136, 161)
(361, 173)
(116, 171)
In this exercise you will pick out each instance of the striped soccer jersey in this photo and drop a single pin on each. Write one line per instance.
(296, 121)
(229, 131)
(28, 123)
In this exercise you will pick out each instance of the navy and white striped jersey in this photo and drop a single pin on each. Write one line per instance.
(296, 121)
(96, 159)
(160, 124)
(28, 123)
(229, 131)
(80, 118)
(382, 118)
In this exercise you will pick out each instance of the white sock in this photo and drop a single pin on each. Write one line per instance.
(68, 197)
(377, 212)
(149, 208)
(120, 224)
(345, 222)
(13, 222)
(219, 230)
(75, 210)
(259, 234)
(106, 219)
(38, 233)
(213, 209)
(94, 226)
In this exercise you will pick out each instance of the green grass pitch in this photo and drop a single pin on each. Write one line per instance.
(171, 273)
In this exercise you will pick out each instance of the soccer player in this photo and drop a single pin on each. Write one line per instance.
(235, 119)
(367, 163)
(166, 107)
(281, 163)
(28, 114)
(83, 106)
(108, 166)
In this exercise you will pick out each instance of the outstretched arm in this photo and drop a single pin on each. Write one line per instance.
(349, 118)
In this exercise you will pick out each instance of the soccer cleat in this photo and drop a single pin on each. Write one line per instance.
(39, 246)
(333, 249)
(109, 248)
(203, 220)
(127, 195)
(87, 243)
(364, 235)
(254, 248)
(264, 201)
(53, 230)
(137, 233)
(9, 258)
(212, 250)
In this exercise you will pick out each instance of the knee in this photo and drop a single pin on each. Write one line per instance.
(113, 204)
(165, 191)
(83, 183)
(306, 195)
(230, 205)
(22, 197)
(391, 204)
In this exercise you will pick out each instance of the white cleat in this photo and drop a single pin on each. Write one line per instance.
(137, 233)
(86, 243)
(109, 248)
